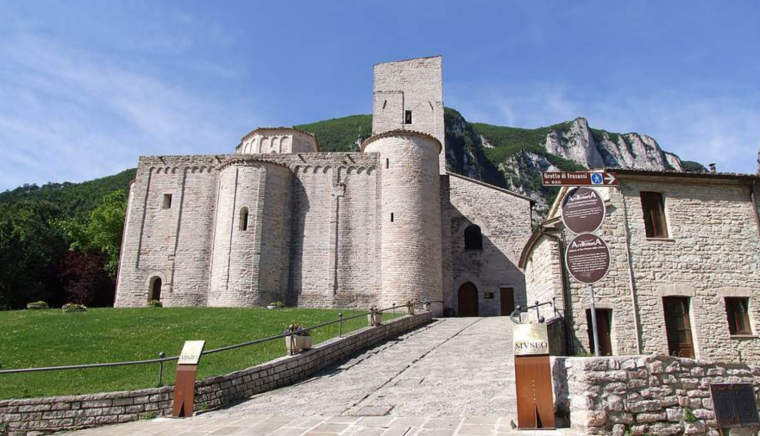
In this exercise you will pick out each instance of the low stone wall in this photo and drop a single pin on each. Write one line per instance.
(62, 413)
(643, 395)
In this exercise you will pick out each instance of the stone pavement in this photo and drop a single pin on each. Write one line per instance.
(452, 377)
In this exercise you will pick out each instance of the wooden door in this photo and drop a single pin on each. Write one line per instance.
(507, 296)
(678, 326)
(604, 326)
(468, 300)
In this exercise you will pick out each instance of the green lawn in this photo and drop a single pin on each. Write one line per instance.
(52, 338)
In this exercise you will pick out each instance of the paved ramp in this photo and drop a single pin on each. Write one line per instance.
(454, 367)
(452, 377)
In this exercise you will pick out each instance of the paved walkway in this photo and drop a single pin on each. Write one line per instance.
(452, 377)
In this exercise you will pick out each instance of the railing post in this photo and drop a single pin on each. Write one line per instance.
(538, 311)
(394, 310)
(340, 325)
(161, 355)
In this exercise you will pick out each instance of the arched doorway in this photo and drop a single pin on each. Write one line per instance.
(468, 300)
(155, 289)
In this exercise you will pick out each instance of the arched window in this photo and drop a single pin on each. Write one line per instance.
(244, 218)
(155, 289)
(473, 239)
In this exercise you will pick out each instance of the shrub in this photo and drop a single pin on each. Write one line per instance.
(279, 304)
(155, 303)
(73, 307)
(37, 305)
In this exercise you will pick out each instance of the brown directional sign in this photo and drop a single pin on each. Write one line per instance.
(587, 258)
(583, 210)
(583, 178)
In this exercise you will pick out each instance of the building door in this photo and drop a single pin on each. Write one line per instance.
(678, 326)
(468, 300)
(155, 291)
(604, 326)
(507, 301)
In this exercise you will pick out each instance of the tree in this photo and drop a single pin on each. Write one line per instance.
(29, 248)
(84, 279)
(101, 231)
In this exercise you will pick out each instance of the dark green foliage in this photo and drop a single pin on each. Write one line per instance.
(101, 230)
(37, 305)
(340, 134)
(71, 198)
(689, 165)
(155, 303)
(30, 248)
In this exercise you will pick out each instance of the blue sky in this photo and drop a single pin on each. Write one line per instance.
(88, 86)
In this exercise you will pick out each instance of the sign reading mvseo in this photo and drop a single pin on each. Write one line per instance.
(530, 340)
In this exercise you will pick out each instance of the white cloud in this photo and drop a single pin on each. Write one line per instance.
(72, 115)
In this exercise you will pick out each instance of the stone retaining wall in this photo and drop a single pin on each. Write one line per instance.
(643, 395)
(63, 413)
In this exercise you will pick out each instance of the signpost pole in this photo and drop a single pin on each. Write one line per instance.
(592, 305)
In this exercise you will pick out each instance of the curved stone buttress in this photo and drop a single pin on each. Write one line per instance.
(411, 215)
(252, 235)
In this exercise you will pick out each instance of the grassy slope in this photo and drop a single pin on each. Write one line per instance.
(52, 338)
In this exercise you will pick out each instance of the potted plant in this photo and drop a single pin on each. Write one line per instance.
(410, 307)
(298, 340)
(374, 318)
(275, 305)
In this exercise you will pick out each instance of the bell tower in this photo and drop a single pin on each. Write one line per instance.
(408, 95)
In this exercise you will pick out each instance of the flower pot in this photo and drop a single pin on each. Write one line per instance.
(375, 318)
(296, 343)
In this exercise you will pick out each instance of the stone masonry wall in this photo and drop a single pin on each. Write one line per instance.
(504, 221)
(543, 276)
(712, 252)
(71, 412)
(330, 243)
(644, 395)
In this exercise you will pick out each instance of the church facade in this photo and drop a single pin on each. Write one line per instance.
(278, 220)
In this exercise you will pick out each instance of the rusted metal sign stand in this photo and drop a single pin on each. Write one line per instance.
(533, 377)
(184, 386)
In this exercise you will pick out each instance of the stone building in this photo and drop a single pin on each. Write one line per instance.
(278, 220)
(685, 268)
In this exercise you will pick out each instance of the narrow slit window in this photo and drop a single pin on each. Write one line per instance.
(407, 117)
(653, 206)
(737, 311)
(244, 219)
(167, 203)
(387, 163)
(391, 216)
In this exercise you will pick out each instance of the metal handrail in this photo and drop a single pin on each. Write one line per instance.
(161, 360)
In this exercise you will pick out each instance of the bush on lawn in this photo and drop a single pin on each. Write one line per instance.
(37, 305)
(155, 303)
(73, 307)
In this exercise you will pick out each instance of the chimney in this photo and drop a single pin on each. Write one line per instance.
(712, 168)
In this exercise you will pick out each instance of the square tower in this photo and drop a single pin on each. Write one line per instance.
(408, 95)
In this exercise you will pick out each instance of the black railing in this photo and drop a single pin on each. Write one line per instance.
(515, 315)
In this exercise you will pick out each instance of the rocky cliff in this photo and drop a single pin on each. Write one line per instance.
(514, 158)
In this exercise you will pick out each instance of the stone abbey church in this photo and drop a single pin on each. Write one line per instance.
(278, 220)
